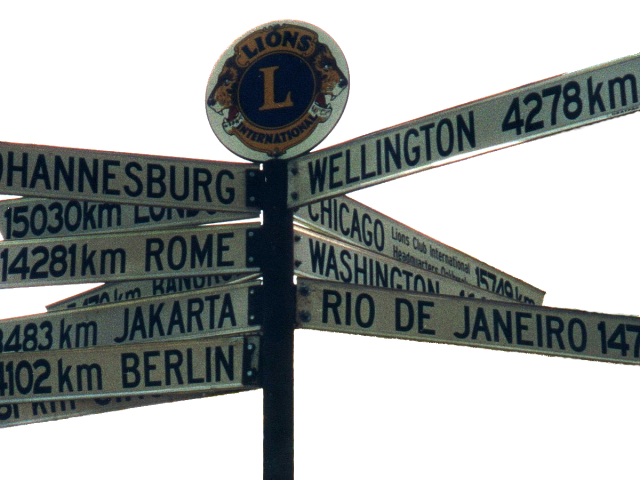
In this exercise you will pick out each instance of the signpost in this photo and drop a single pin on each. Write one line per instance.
(526, 113)
(273, 95)
(41, 218)
(218, 249)
(69, 173)
(24, 413)
(210, 312)
(353, 222)
(466, 321)
(114, 292)
(321, 257)
(203, 365)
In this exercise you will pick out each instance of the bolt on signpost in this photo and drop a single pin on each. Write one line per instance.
(191, 319)
(273, 95)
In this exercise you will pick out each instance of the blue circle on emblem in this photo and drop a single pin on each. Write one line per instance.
(276, 90)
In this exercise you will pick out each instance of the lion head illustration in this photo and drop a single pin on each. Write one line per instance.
(330, 78)
(222, 97)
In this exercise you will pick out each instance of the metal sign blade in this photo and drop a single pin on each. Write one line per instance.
(222, 249)
(70, 173)
(164, 367)
(25, 413)
(227, 310)
(317, 256)
(525, 113)
(466, 321)
(27, 218)
(114, 292)
(355, 223)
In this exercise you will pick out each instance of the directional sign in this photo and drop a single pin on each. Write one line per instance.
(218, 249)
(533, 111)
(40, 218)
(114, 292)
(25, 413)
(356, 223)
(321, 257)
(55, 172)
(210, 312)
(464, 321)
(163, 367)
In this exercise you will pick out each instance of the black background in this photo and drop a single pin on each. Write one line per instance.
(557, 213)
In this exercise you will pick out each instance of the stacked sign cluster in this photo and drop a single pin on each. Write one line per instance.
(177, 242)
(177, 316)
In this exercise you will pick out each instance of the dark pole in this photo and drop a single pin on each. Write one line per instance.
(277, 346)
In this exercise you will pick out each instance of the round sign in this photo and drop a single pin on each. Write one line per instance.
(277, 91)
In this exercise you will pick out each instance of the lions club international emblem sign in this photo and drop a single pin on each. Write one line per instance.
(277, 91)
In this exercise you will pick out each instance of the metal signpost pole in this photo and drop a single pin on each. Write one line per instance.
(279, 294)
(273, 95)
